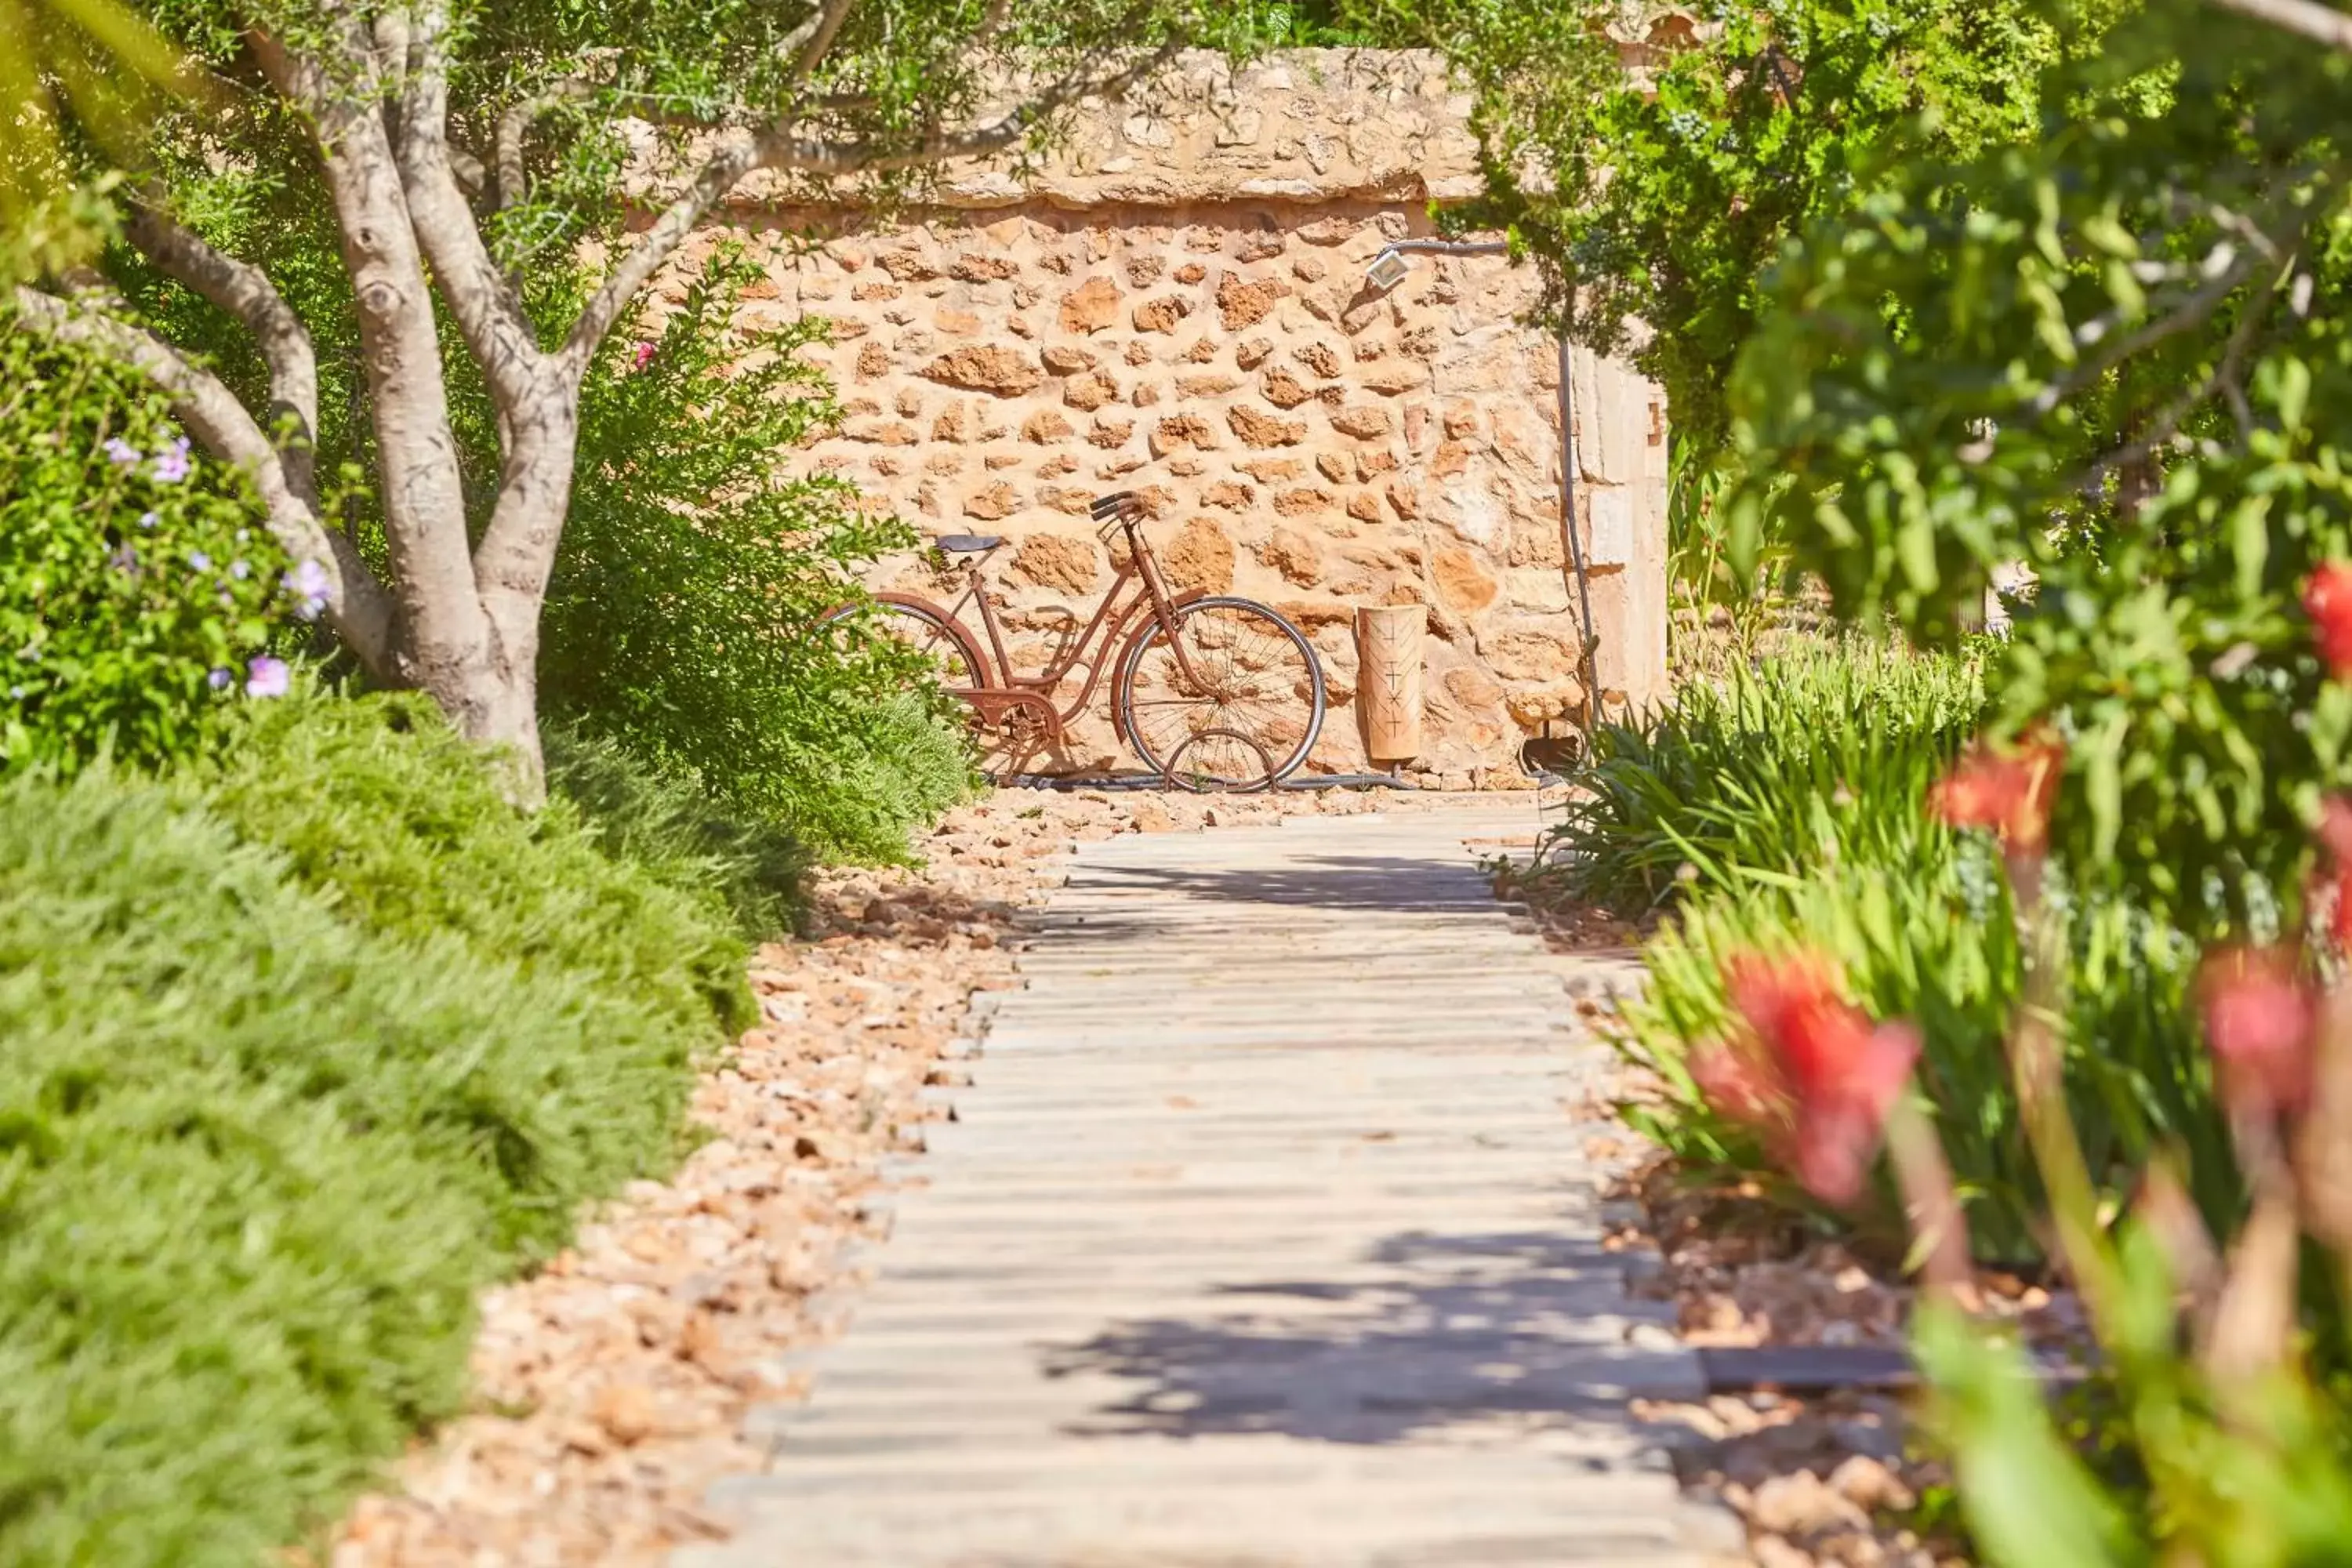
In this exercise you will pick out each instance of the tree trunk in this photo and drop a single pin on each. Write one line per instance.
(495, 704)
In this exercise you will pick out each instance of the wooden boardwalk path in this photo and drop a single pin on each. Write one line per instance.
(1262, 1240)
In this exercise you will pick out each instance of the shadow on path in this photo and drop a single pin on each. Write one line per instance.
(1441, 1331)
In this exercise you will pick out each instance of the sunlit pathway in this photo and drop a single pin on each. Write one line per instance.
(1262, 1240)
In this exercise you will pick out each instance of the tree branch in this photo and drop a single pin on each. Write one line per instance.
(443, 631)
(819, 41)
(358, 607)
(483, 299)
(516, 123)
(2200, 305)
(244, 292)
(2228, 378)
(2323, 24)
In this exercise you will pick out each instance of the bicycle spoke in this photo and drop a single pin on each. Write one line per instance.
(1235, 710)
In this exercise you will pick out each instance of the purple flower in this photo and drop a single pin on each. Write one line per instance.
(309, 583)
(239, 570)
(148, 519)
(200, 560)
(17, 693)
(219, 679)
(642, 357)
(266, 677)
(120, 452)
(172, 466)
(124, 558)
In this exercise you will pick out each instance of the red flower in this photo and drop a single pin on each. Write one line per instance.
(2008, 792)
(1810, 1072)
(2259, 1021)
(2327, 600)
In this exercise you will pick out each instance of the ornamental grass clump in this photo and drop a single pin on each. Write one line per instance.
(1813, 755)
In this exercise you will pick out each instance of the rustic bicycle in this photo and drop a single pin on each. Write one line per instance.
(1213, 692)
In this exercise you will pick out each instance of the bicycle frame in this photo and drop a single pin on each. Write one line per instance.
(1111, 618)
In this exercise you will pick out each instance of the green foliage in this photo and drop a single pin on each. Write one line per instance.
(374, 800)
(1815, 757)
(692, 571)
(671, 828)
(1795, 796)
(280, 1095)
(1661, 196)
(89, 71)
(129, 573)
(2118, 354)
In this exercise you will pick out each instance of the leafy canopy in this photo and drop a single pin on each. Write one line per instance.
(1652, 162)
(2120, 353)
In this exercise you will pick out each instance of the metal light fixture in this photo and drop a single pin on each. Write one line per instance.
(1387, 271)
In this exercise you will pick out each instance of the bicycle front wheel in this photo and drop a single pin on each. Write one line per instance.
(1230, 697)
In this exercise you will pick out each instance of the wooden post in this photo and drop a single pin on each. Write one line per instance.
(1387, 680)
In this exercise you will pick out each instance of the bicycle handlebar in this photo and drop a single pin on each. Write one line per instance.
(1119, 508)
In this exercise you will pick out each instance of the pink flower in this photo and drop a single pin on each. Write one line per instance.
(267, 677)
(2010, 792)
(2259, 1021)
(170, 465)
(642, 356)
(2327, 600)
(1810, 1072)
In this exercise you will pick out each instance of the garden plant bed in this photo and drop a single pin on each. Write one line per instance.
(1779, 1313)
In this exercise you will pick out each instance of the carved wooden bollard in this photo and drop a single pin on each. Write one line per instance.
(1387, 680)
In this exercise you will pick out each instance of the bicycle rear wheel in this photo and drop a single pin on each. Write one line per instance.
(1240, 708)
(943, 647)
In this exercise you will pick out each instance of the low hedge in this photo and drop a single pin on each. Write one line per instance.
(301, 1052)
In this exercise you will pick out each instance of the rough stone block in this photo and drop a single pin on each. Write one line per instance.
(1244, 304)
(1161, 315)
(1057, 561)
(1283, 389)
(989, 367)
(1200, 556)
(1260, 429)
(1091, 307)
(1090, 391)
(997, 500)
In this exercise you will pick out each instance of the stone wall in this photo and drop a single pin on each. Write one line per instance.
(1177, 305)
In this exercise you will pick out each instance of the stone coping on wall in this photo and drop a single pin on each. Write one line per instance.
(1305, 125)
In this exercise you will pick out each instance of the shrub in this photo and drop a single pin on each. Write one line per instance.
(377, 804)
(1796, 792)
(136, 585)
(257, 1158)
(692, 571)
(1930, 937)
(672, 827)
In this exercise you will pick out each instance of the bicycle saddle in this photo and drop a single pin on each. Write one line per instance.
(967, 543)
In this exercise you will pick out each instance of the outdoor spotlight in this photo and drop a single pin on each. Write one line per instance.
(1387, 271)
